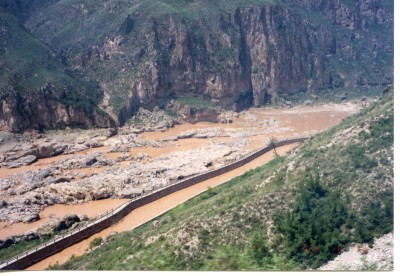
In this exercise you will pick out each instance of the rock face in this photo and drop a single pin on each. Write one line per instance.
(37, 111)
(236, 55)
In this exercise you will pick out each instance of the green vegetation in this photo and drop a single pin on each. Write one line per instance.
(165, 254)
(20, 247)
(323, 216)
(95, 242)
(171, 113)
(27, 66)
(195, 101)
(193, 8)
(109, 42)
(298, 218)
(312, 230)
(273, 217)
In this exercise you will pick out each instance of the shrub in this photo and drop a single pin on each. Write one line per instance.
(95, 242)
(311, 232)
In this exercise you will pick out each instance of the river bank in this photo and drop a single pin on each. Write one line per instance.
(129, 164)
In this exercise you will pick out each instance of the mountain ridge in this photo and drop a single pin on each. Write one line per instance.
(236, 53)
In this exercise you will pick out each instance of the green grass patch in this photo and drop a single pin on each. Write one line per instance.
(195, 101)
(20, 247)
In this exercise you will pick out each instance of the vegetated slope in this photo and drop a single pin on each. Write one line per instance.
(240, 53)
(295, 212)
(36, 92)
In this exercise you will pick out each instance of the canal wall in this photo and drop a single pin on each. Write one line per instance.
(51, 247)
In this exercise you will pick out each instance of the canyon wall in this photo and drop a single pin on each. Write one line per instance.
(236, 54)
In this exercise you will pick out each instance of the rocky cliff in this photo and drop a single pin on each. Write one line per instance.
(36, 91)
(236, 53)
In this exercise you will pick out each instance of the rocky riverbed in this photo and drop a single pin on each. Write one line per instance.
(94, 176)
(72, 167)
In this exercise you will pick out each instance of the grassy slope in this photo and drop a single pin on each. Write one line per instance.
(243, 225)
(27, 65)
(25, 60)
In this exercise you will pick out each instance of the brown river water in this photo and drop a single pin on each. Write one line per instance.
(275, 122)
(150, 211)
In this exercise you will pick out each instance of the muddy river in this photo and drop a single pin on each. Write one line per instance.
(256, 125)
(149, 211)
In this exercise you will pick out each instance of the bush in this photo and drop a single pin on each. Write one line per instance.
(376, 218)
(311, 232)
(204, 238)
(95, 242)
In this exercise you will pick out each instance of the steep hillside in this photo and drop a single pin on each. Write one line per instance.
(36, 92)
(143, 53)
(296, 212)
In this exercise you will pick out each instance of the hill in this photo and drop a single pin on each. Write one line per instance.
(295, 212)
(36, 90)
(142, 53)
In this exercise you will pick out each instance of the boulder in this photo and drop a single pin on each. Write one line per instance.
(112, 132)
(29, 159)
(66, 222)
(88, 162)
(61, 180)
(83, 217)
(49, 149)
(79, 196)
(6, 243)
(101, 194)
(31, 236)
(120, 149)
(308, 102)
(94, 143)
(3, 204)
(31, 218)
(76, 148)
(23, 161)
(186, 135)
(43, 173)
